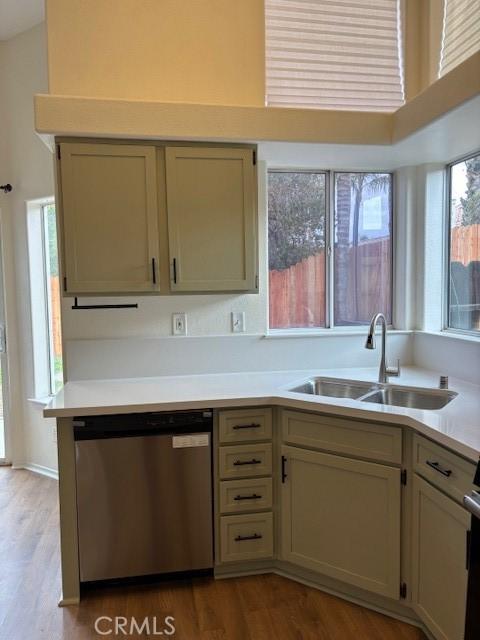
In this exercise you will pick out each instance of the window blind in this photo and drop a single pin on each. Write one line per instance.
(334, 54)
(461, 33)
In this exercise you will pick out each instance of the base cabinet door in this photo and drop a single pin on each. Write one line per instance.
(439, 542)
(341, 518)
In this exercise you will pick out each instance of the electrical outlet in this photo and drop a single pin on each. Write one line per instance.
(179, 324)
(54, 433)
(238, 321)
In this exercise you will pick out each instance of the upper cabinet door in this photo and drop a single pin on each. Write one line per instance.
(212, 218)
(110, 218)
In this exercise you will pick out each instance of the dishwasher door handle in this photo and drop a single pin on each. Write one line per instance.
(472, 504)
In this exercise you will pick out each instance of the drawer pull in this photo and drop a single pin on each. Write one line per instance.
(284, 472)
(241, 463)
(437, 466)
(256, 536)
(254, 496)
(254, 425)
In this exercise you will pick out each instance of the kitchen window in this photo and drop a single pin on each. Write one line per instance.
(329, 258)
(297, 206)
(362, 248)
(45, 298)
(463, 312)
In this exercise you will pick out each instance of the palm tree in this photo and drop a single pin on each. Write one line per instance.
(352, 186)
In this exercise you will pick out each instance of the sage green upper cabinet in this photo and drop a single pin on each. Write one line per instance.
(341, 518)
(109, 218)
(212, 218)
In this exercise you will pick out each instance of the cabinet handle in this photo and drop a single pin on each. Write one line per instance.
(154, 272)
(437, 466)
(254, 425)
(241, 463)
(469, 542)
(255, 536)
(175, 271)
(284, 473)
(254, 496)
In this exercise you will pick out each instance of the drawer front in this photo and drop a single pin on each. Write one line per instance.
(237, 496)
(444, 469)
(245, 424)
(365, 440)
(245, 460)
(246, 537)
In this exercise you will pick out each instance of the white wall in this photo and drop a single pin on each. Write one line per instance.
(458, 357)
(28, 165)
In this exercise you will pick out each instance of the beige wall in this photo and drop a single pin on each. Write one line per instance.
(423, 21)
(201, 51)
(28, 165)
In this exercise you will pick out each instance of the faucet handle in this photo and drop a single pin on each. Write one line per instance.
(394, 371)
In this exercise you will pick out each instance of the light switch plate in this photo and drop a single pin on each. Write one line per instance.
(179, 324)
(238, 321)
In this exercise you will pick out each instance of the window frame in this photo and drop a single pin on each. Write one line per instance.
(40, 301)
(330, 326)
(446, 328)
(48, 297)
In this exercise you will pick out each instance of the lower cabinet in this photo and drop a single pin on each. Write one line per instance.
(245, 485)
(439, 542)
(341, 518)
(246, 537)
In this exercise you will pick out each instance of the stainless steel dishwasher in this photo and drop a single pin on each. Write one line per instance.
(144, 494)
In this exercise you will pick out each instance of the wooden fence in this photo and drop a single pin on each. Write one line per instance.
(465, 244)
(297, 294)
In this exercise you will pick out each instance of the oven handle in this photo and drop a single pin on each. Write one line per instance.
(472, 504)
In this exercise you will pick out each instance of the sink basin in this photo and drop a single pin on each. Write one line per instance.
(411, 398)
(376, 393)
(334, 388)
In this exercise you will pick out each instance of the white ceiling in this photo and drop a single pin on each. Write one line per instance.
(19, 15)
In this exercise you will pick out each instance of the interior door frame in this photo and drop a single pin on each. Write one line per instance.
(4, 364)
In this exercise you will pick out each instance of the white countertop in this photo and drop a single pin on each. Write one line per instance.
(456, 426)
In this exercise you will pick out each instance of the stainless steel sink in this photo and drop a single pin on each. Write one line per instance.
(411, 398)
(376, 393)
(334, 388)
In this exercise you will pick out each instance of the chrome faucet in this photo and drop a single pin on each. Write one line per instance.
(384, 370)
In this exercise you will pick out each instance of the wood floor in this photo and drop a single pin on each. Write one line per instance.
(253, 608)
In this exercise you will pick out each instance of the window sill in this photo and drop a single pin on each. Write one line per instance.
(41, 402)
(327, 333)
(464, 337)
